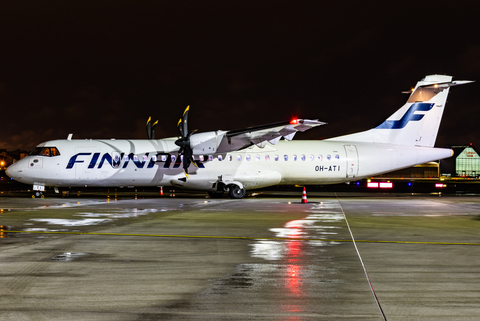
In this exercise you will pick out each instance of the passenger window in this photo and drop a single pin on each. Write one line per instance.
(173, 158)
(247, 157)
(220, 158)
(294, 157)
(337, 157)
(125, 158)
(210, 157)
(201, 158)
(230, 157)
(303, 158)
(267, 157)
(145, 157)
(239, 158)
(154, 158)
(329, 157)
(320, 157)
(164, 158)
(285, 157)
(276, 158)
(257, 157)
(312, 158)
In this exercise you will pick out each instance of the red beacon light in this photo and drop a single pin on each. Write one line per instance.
(294, 121)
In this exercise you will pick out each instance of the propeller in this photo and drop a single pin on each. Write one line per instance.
(184, 142)
(151, 128)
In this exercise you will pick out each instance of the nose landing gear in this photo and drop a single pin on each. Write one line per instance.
(38, 190)
(38, 194)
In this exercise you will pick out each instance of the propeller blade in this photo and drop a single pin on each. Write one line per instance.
(185, 118)
(185, 151)
(149, 128)
(182, 123)
(187, 158)
(180, 127)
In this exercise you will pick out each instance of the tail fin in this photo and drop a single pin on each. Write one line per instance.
(417, 122)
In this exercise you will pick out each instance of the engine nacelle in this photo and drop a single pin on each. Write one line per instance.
(206, 143)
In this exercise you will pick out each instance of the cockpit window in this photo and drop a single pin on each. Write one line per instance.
(45, 151)
(36, 151)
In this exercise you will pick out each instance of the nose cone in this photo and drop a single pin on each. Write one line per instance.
(12, 171)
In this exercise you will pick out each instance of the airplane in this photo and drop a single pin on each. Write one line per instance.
(238, 160)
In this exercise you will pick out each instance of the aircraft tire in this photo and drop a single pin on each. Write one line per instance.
(236, 192)
(38, 194)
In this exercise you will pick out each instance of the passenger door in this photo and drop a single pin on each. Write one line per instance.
(352, 160)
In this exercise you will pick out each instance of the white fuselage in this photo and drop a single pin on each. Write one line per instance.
(151, 163)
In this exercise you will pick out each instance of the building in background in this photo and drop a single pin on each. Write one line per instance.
(8, 158)
(467, 163)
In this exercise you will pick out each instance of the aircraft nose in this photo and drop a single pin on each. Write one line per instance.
(11, 171)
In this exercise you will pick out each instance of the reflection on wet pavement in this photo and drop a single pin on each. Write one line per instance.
(67, 257)
(63, 215)
(90, 218)
(293, 272)
(66, 222)
(106, 217)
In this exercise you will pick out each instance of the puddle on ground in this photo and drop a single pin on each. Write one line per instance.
(96, 218)
(67, 222)
(68, 256)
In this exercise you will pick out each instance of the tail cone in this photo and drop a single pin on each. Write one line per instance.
(304, 196)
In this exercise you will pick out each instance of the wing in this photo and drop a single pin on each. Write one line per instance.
(219, 141)
(260, 135)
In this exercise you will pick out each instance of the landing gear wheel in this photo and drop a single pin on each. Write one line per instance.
(236, 192)
(38, 194)
(215, 194)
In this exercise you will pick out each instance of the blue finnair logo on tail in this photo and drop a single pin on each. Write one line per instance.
(409, 116)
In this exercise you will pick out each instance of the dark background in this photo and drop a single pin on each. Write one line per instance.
(100, 69)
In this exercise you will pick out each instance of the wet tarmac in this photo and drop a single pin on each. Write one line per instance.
(261, 258)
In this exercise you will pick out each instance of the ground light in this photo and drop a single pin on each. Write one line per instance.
(379, 184)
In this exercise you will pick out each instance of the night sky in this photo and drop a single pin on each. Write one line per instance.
(99, 69)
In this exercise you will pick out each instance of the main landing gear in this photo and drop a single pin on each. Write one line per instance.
(234, 191)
